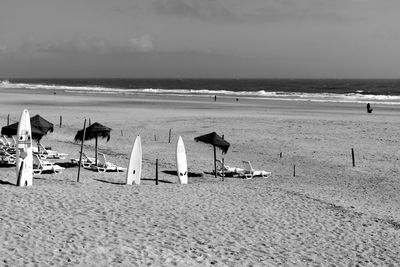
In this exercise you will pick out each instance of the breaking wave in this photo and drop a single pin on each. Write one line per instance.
(357, 97)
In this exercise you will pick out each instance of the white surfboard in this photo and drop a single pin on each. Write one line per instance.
(181, 162)
(24, 166)
(134, 171)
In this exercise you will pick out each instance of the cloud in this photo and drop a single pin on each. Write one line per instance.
(144, 43)
(82, 45)
(293, 11)
(266, 11)
(202, 10)
(76, 45)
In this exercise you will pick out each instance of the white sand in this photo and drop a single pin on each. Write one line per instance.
(330, 213)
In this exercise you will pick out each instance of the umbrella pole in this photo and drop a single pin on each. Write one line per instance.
(80, 155)
(95, 149)
(215, 162)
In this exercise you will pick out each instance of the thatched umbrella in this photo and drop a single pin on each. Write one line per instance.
(42, 124)
(216, 141)
(95, 130)
(39, 128)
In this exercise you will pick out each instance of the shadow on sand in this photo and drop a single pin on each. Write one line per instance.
(4, 165)
(6, 182)
(143, 179)
(154, 180)
(190, 174)
(67, 164)
(109, 182)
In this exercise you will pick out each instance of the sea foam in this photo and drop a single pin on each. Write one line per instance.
(357, 97)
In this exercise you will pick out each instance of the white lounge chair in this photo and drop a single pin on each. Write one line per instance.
(7, 158)
(12, 141)
(8, 141)
(7, 144)
(40, 166)
(3, 143)
(87, 162)
(226, 170)
(249, 172)
(45, 153)
(105, 166)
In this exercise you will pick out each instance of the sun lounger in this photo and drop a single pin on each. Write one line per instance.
(12, 141)
(7, 144)
(45, 153)
(7, 141)
(249, 172)
(7, 158)
(40, 166)
(105, 166)
(225, 170)
(3, 143)
(87, 162)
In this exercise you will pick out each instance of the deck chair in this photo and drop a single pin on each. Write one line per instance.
(45, 153)
(7, 144)
(249, 172)
(40, 166)
(104, 166)
(3, 143)
(226, 170)
(12, 141)
(87, 162)
(7, 158)
(7, 141)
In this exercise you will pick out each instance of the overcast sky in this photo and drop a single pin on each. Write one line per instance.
(200, 38)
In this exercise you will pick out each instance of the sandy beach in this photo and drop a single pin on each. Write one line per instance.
(329, 214)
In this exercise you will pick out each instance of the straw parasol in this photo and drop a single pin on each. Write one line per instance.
(94, 131)
(216, 141)
(39, 128)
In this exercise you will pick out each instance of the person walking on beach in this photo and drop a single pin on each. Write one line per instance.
(369, 109)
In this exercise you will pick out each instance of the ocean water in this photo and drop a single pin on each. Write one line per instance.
(374, 91)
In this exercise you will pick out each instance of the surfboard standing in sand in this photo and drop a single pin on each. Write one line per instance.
(135, 163)
(24, 155)
(181, 162)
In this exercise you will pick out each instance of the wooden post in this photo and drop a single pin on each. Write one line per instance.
(352, 156)
(60, 121)
(169, 136)
(8, 119)
(155, 137)
(280, 155)
(90, 122)
(80, 155)
(223, 170)
(294, 170)
(95, 150)
(215, 162)
(156, 171)
(122, 134)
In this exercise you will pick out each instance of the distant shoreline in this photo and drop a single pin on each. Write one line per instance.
(325, 91)
(233, 102)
